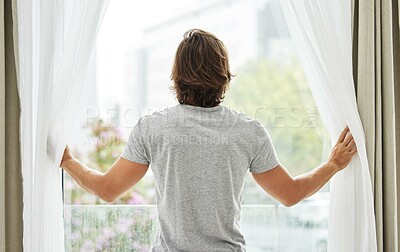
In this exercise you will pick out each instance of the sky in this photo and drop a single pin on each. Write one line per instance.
(125, 19)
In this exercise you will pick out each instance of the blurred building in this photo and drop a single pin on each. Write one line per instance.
(250, 29)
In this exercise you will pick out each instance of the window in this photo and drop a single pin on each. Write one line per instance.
(129, 77)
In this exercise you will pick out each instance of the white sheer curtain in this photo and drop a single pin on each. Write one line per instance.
(55, 40)
(321, 32)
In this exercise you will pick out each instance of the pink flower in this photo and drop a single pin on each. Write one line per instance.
(136, 199)
(104, 238)
(123, 225)
(114, 154)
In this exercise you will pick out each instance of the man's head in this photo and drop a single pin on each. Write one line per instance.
(201, 71)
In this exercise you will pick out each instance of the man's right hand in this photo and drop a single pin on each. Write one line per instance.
(67, 156)
(343, 151)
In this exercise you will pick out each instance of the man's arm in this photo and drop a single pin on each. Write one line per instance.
(108, 186)
(289, 191)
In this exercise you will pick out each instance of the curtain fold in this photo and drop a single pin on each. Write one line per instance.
(376, 67)
(321, 31)
(55, 38)
(10, 166)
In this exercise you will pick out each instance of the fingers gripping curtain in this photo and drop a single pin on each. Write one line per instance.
(321, 31)
(55, 40)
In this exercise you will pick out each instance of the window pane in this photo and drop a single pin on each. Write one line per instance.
(129, 76)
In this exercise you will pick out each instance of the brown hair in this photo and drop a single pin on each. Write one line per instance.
(201, 71)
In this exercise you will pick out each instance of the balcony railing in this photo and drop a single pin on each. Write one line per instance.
(303, 227)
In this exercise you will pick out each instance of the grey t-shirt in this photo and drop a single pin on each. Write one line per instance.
(199, 157)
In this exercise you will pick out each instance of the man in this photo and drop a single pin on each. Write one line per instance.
(200, 152)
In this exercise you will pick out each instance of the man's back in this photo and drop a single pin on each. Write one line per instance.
(199, 157)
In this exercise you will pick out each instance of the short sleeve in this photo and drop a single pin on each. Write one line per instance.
(265, 157)
(135, 148)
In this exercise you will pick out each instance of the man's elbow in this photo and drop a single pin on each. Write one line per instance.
(109, 200)
(106, 190)
(107, 197)
(292, 199)
(293, 196)
(290, 202)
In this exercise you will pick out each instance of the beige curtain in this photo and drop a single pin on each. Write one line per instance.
(10, 170)
(376, 61)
